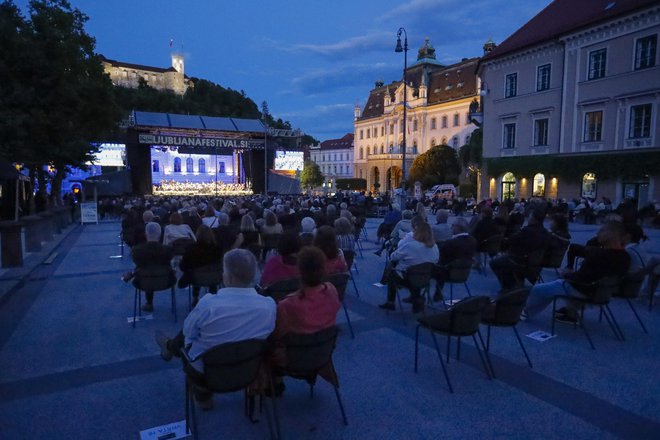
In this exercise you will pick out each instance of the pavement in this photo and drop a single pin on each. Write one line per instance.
(72, 366)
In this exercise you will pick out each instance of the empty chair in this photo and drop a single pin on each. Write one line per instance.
(209, 276)
(603, 290)
(488, 248)
(153, 279)
(340, 281)
(228, 368)
(309, 356)
(455, 272)
(505, 312)
(461, 320)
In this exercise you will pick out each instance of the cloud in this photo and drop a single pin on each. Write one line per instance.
(326, 80)
(372, 42)
(414, 7)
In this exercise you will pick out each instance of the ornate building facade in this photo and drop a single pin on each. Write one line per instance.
(438, 100)
(129, 75)
(571, 104)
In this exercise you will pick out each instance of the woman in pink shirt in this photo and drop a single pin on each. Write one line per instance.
(284, 265)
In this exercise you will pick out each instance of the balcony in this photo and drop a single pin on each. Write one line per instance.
(637, 143)
(395, 154)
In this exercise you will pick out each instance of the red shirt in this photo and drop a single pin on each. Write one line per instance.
(307, 313)
(276, 270)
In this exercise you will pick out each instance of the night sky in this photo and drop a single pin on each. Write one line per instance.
(310, 60)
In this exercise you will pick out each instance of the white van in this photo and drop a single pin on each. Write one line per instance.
(445, 191)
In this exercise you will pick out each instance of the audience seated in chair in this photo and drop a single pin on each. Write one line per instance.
(610, 260)
(236, 313)
(326, 240)
(203, 253)
(441, 230)
(462, 246)
(177, 229)
(284, 265)
(421, 249)
(150, 255)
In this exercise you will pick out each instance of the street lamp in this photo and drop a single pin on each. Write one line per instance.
(403, 49)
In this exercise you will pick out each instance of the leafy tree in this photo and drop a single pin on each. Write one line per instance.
(65, 100)
(311, 176)
(471, 156)
(437, 165)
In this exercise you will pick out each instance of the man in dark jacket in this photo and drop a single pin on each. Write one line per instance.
(512, 267)
(154, 257)
(462, 246)
(610, 260)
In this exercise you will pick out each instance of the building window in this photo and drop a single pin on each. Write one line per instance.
(201, 164)
(221, 168)
(444, 122)
(597, 60)
(540, 132)
(543, 77)
(443, 141)
(433, 123)
(382, 149)
(645, 49)
(467, 140)
(589, 184)
(539, 186)
(509, 138)
(593, 126)
(368, 133)
(361, 153)
(189, 165)
(155, 166)
(361, 134)
(177, 165)
(456, 120)
(382, 130)
(454, 142)
(640, 121)
(432, 142)
(414, 124)
(414, 147)
(391, 128)
(508, 186)
(511, 85)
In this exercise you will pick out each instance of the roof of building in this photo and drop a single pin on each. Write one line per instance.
(196, 122)
(116, 63)
(562, 17)
(445, 83)
(342, 143)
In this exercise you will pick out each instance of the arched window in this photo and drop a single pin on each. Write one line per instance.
(414, 148)
(508, 186)
(443, 141)
(382, 149)
(189, 165)
(589, 185)
(539, 185)
(444, 122)
(155, 166)
(457, 119)
(368, 150)
(432, 142)
(201, 164)
(361, 152)
(467, 139)
(177, 165)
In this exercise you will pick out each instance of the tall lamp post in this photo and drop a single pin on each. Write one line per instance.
(403, 49)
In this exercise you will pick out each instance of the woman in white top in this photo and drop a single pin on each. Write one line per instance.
(176, 230)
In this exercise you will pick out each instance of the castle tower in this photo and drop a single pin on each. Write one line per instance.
(177, 62)
(357, 112)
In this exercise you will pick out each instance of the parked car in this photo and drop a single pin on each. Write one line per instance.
(446, 191)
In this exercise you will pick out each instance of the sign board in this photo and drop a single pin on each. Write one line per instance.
(88, 213)
(418, 191)
(194, 141)
(165, 432)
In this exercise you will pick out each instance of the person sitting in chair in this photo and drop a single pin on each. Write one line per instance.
(462, 246)
(236, 313)
(150, 255)
(203, 252)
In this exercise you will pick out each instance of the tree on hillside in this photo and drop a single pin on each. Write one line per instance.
(437, 165)
(311, 176)
(65, 100)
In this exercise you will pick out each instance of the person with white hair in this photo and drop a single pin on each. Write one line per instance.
(236, 313)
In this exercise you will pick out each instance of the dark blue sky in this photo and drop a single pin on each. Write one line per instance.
(310, 60)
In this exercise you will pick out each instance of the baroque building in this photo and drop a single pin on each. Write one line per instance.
(438, 100)
(570, 104)
(129, 75)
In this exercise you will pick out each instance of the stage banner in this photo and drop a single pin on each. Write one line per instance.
(202, 142)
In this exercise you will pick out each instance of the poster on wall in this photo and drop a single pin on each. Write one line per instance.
(88, 213)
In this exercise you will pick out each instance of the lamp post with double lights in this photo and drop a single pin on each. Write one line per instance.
(403, 49)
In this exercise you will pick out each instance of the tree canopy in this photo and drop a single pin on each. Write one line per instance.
(437, 165)
(311, 176)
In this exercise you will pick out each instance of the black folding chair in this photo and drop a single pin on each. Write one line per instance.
(340, 281)
(209, 276)
(631, 284)
(153, 279)
(280, 289)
